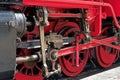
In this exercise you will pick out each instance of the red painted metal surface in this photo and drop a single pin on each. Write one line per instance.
(70, 57)
(106, 56)
(96, 26)
(62, 25)
(55, 3)
(78, 37)
(94, 43)
(64, 15)
(71, 4)
(68, 63)
(20, 76)
(77, 51)
(28, 70)
(73, 64)
(116, 6)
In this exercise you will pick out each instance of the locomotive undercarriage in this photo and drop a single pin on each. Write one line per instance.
(64, 48)
(61, 45)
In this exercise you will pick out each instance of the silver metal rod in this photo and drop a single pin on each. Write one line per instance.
(29, 23)
(27, 58)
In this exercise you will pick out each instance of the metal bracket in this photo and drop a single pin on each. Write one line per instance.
(42, 16)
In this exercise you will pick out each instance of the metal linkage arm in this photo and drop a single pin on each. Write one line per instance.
(94, 43)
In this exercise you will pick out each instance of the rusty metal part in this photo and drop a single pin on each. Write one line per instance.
(34, 57)
(56, 40)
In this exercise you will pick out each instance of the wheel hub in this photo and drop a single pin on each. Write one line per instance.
(30, 64)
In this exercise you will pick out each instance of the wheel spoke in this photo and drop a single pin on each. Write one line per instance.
(70, 58)
(32, 72)
(73, 59)
(22, 69)
(28, 70)
(38, 68)
(68, 63)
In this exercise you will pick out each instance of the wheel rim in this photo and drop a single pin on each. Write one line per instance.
(68, 63)
(28, 70)
(106, 57)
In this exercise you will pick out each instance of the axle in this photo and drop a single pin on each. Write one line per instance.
(34, 57)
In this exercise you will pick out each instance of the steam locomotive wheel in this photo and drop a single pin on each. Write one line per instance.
(68, 63)
(106, 56)
(28, 70)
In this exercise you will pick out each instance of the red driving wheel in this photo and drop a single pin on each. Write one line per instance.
(68, 63)
(106, 55)
(28, 70)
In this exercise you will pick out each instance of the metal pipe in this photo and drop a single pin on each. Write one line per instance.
(64, 15)
(34, 57)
